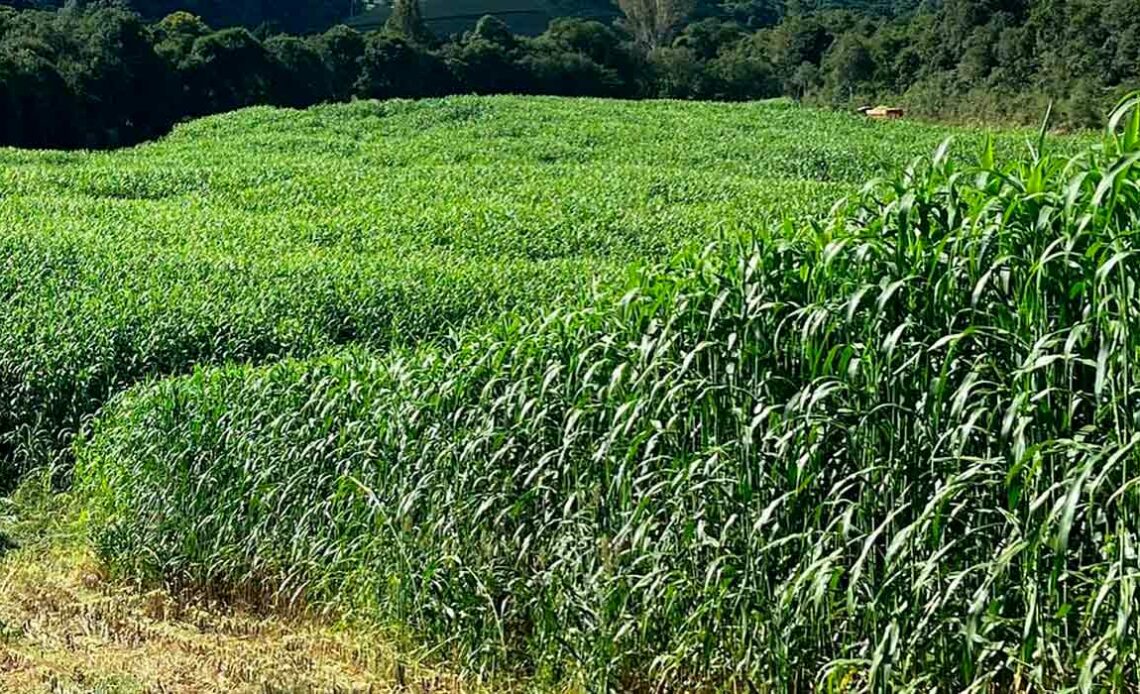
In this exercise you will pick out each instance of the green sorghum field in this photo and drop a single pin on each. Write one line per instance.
(607, 395)
(267, 233)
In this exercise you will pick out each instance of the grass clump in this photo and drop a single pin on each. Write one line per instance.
(891, 451)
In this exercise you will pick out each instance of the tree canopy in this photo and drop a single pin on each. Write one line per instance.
(101, 74)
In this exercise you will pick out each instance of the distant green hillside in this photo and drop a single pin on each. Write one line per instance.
(525, 17)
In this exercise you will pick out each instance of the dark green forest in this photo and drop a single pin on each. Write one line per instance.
(295, 16)
(109, 74)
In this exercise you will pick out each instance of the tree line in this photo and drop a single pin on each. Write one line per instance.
(99, 75)
(293, 16)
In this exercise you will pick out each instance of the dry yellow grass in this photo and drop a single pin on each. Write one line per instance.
(65, 627)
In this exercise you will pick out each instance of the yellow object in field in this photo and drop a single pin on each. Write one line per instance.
(882, 112)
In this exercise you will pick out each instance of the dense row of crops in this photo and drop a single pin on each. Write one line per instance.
(893, 450)
(269, 233)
